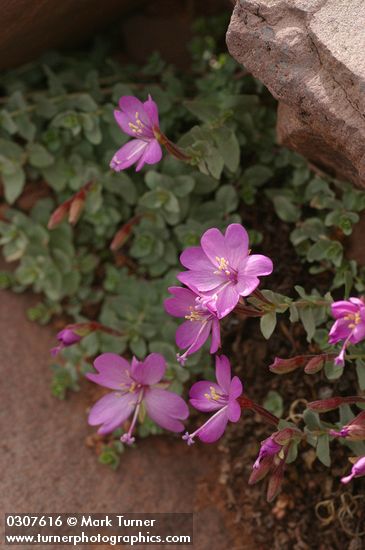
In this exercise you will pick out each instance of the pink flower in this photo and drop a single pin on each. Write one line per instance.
(221, 397)
(134, 385)
(354, 430)
(66, 337)
(349, 325)
(201, 320)
(222, 267)
(358, 470)
(272, 458)
(139, 120)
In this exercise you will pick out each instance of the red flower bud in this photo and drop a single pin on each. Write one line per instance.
(76, 208)
(315, 364)
(275, 481)
(332, 403)
(123, 233)
(282, 366)
(58, 215)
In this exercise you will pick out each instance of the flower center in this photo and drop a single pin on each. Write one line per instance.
(138, 127)
(194, 316)
(199, 312)
(223, 265)
(134, 387)
(354, 319)
(225, 268)
(213, 395)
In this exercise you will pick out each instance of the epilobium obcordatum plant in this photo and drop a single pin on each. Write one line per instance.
(117, 188)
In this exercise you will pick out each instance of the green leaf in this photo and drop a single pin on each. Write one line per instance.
(360, 371)
(26, 128)
(268, 324)
(214, 162)
(333, 371)
(39, 156)
(285, 209)
(228, 147)
(13, 184)
(138, 347)
(85, 102)
(326, 249)
(154, 199)
(307, 317)
(312, 420)
(346, 414)
(227, 199)
(205, 110)
(293, 452)
(274, 403)
(257, 175)
(323, 449)
(7, 122)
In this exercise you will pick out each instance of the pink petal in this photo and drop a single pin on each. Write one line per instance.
(357, 301)
(151, 155)
(192, 335)
(227, 300)
(339, 331)
(198, 396)
(112, 410)
(152, 110)
(127, 155)
(150, 371)
(246, 285)
(187, 333)
(223, 372)
(216, 336)
(342, 308)
(255, 265)
(236, 239)
(347, 479)
(194, 258)
(130, 105)
(214, 428)
(358, 334)
(233, 411)
(124, 120)
(201, 280)
(113, 371)
(236, 388)
(182, 300)
(214, 245)
(166, 408)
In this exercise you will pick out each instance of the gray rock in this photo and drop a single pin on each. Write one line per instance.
(310, 54)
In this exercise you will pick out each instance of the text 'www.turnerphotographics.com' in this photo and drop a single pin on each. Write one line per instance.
(33, 529)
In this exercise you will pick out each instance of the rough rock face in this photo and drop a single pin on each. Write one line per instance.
(310, 54)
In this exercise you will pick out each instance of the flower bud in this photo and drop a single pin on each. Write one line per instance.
(58, 215)
(282, 366)
(325, 405)
(76, 208)
(275, 481)
(354, 430)
(315, 364)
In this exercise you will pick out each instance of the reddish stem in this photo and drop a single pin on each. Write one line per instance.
(248, 311)
(258, 294)
(246, 403)
(173, 149)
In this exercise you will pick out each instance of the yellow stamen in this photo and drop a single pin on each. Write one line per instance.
(223, 265)
(213, 395)
(193, 316)
(355, 319)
